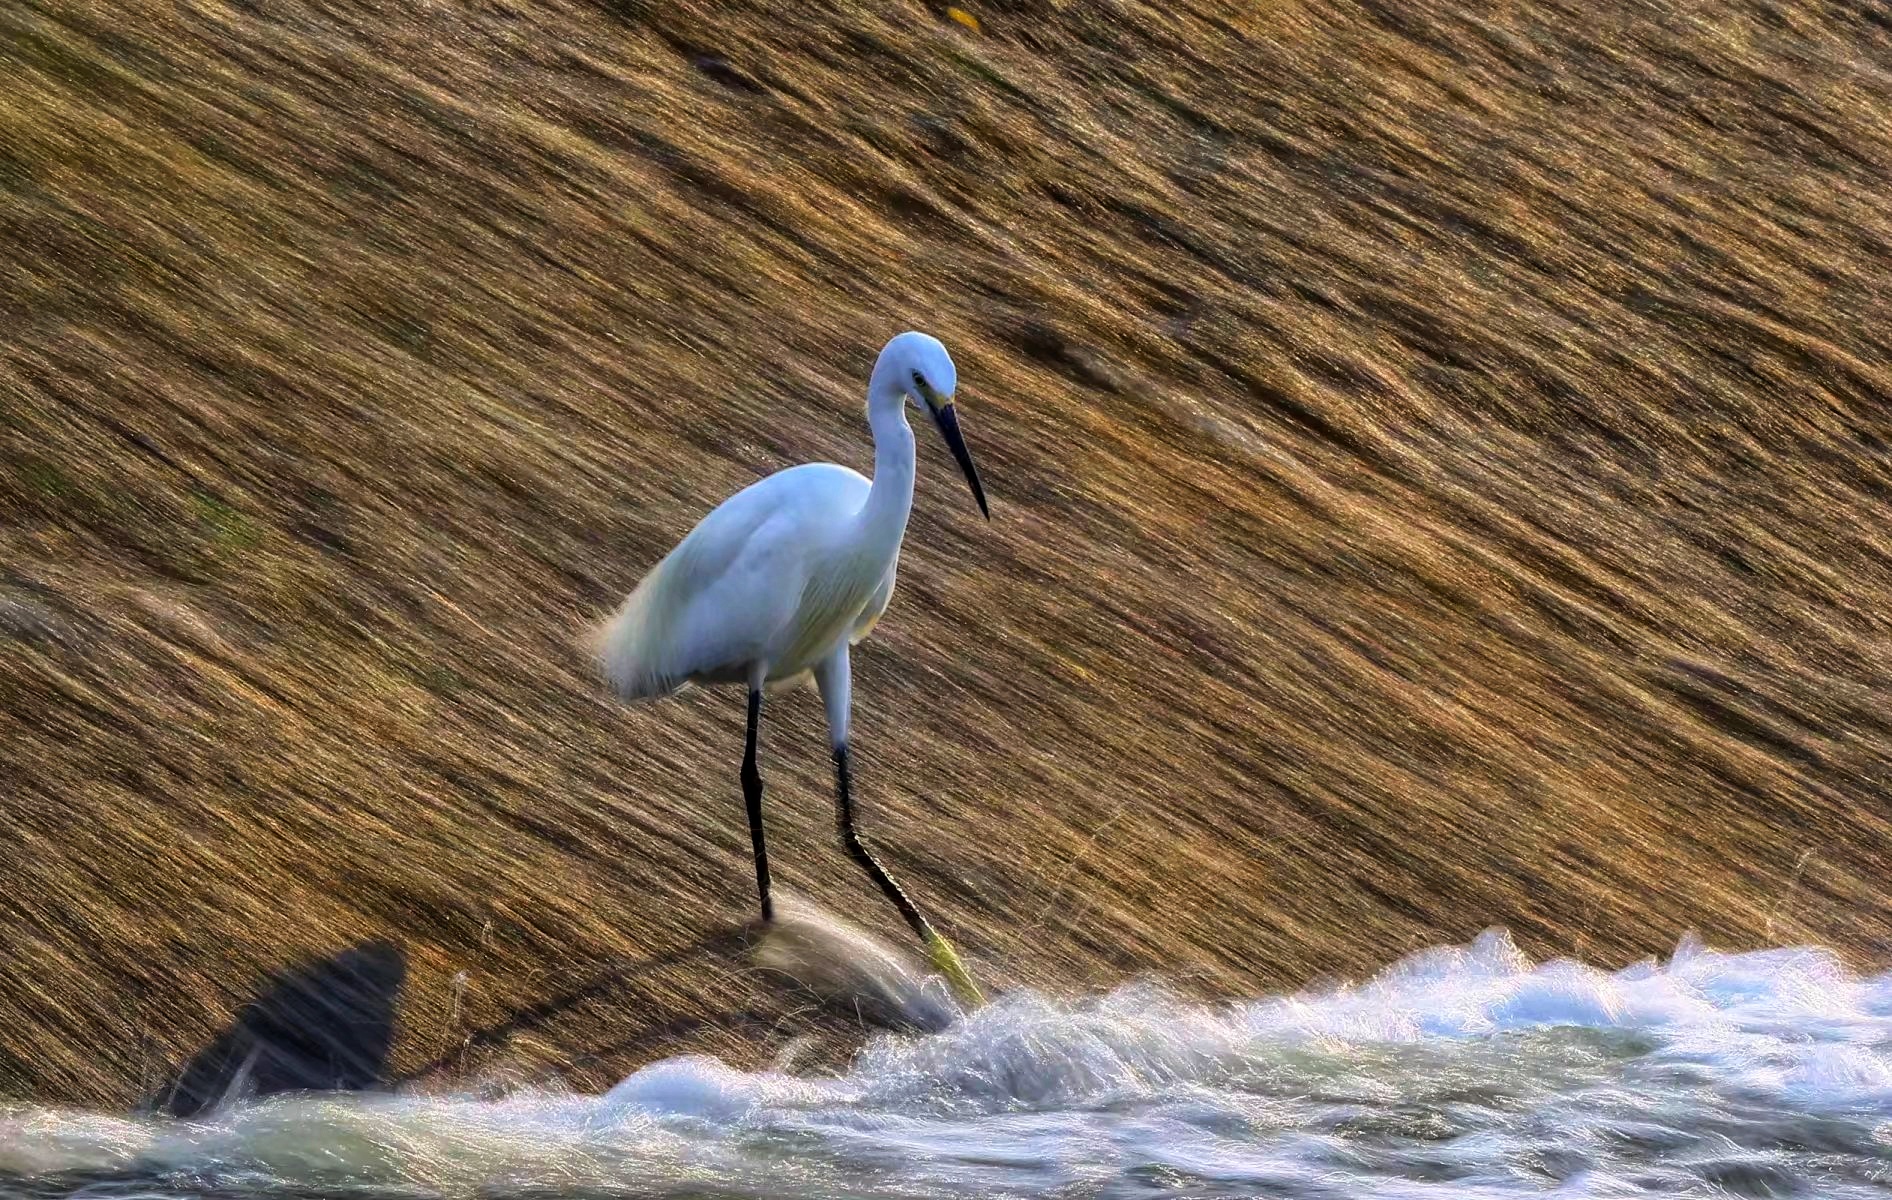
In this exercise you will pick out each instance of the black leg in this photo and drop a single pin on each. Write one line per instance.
(752, 793)
(937, 948)
(858, 851)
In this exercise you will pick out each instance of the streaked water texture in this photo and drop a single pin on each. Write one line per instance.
(1459, 1071)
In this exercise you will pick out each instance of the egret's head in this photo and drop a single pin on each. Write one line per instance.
(922, 367)
(919, 367)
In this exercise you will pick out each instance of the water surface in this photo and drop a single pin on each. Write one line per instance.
(1463, 1071)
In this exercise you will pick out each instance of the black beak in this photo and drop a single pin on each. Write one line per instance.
(949, 429)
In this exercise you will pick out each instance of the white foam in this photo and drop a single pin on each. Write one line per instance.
(1461, 1070)
(707, 1088)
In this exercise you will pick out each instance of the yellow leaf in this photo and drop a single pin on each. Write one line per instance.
(964, 18)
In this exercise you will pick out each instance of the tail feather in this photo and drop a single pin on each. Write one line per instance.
(628, 646)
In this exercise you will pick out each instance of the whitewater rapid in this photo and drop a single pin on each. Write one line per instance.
(1462, 1071)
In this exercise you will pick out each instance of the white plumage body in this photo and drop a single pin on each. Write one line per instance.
(780, 574)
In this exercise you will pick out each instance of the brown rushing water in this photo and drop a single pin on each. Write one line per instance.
(1439, 460)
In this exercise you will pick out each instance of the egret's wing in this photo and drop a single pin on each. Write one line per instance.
(646, 649)
(726, 585)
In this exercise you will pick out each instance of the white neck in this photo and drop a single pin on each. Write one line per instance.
(884, 518)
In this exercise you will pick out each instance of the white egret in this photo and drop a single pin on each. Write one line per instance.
(778, 581)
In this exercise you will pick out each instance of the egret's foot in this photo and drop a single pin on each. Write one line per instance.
(948, 964)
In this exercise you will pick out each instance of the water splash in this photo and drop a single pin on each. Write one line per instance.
(848, 967)
(1464, 1071)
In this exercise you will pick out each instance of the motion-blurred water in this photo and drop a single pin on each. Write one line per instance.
(1459, 1071)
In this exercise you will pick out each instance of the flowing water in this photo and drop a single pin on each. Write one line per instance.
(1458, 1071)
